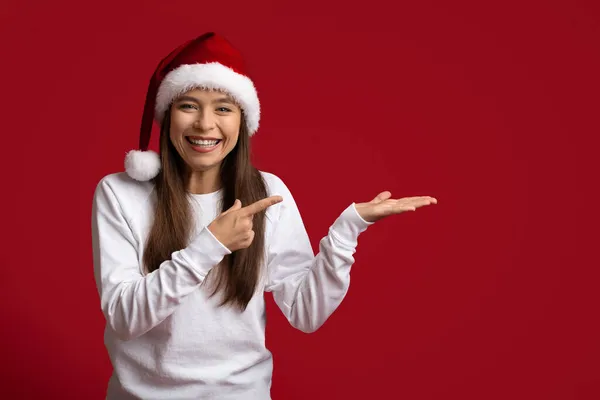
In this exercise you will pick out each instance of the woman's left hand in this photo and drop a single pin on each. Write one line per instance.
(383, 206)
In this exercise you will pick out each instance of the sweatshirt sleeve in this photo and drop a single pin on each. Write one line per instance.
(133, 303)
(305, 287)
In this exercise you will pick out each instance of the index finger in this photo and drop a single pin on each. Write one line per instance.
(261, 205)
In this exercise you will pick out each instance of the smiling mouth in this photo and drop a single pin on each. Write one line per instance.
(207, 143)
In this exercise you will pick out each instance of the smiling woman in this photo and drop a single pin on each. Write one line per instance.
(186, 242)
(204, 128)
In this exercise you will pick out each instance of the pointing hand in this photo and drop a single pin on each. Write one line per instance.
(233, 227)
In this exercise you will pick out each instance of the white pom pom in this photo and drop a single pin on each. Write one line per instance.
(142, 165)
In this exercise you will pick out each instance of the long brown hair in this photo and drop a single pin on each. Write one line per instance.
(239, 272)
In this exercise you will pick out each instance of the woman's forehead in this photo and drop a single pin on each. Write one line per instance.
(208, 94)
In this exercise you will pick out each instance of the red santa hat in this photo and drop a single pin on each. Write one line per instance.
(208, 61)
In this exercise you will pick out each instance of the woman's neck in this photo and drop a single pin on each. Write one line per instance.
(203, 182)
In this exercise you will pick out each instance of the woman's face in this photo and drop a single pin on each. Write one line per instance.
(205, 127)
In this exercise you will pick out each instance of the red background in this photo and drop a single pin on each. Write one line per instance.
(491, 108)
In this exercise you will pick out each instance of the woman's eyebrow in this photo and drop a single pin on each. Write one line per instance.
(188, 98)
(224, 99)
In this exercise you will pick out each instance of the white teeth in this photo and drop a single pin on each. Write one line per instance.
(206, 143)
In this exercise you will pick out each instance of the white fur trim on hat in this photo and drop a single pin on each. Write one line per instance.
(142, 165)
(210, 76)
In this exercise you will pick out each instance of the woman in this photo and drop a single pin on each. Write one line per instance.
(186, 242)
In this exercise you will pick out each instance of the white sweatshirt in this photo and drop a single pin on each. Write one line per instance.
(165, 337)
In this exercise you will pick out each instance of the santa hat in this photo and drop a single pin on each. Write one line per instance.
(208, 61)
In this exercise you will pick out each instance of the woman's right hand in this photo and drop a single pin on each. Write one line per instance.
(233, 227)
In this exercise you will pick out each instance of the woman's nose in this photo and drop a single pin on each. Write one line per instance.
(205, 121)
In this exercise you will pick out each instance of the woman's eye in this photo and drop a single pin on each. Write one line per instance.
(223, 109)
(186, 106)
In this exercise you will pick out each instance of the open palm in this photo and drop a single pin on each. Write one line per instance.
(383, 205)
